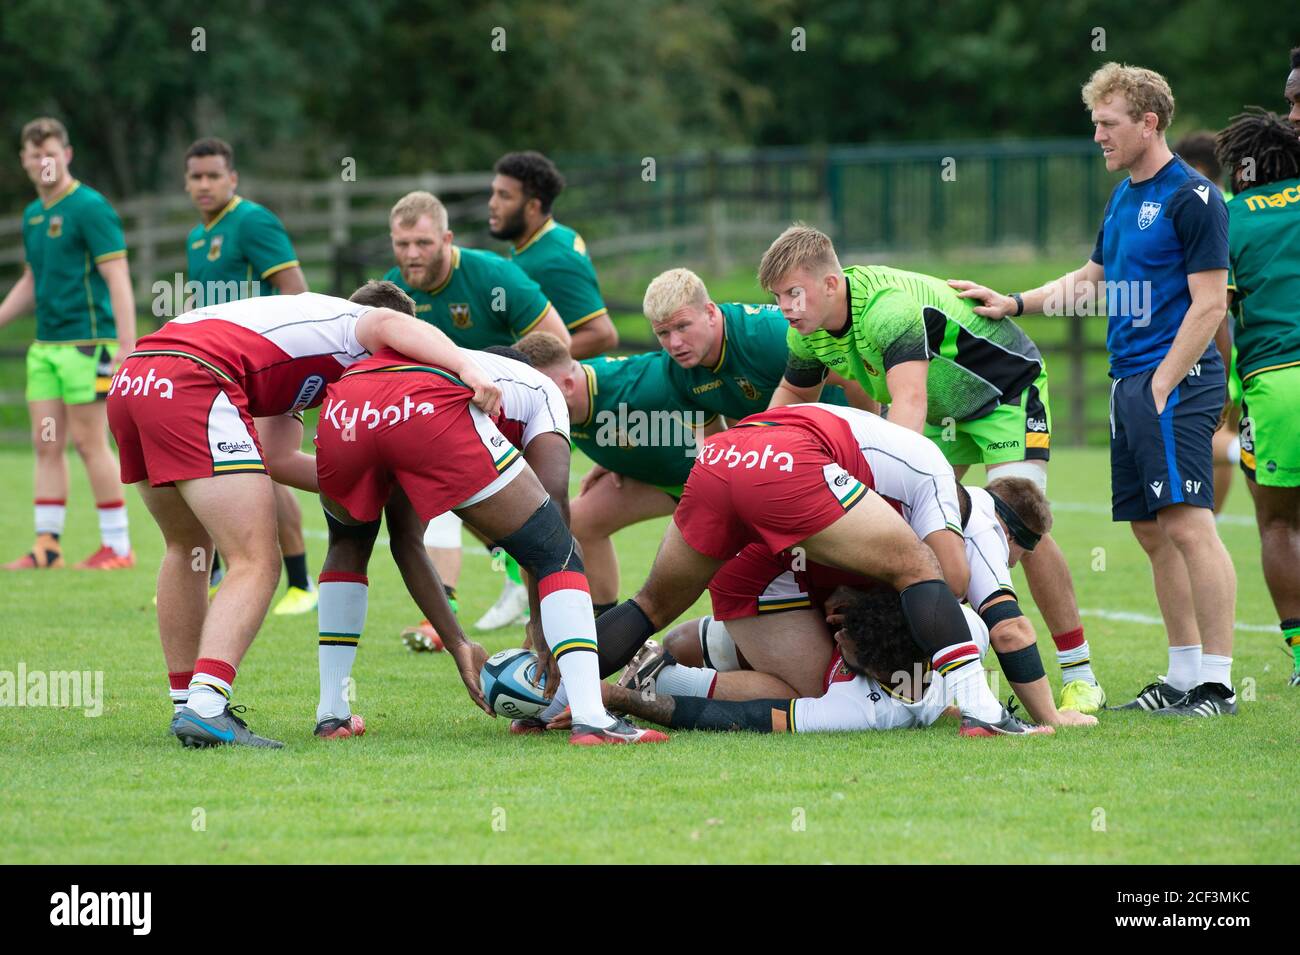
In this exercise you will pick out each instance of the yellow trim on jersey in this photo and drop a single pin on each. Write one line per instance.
(722, 355)
(234, 201)
(108, 256)
(533, 324)
(791, 603)
(455, 264)
(1260, 371)
(277, 268)
(61, 196)
(854, 496)
(591, 395)
(586, 318)
(237, 466)
(181, 354)
(90, 295)
(542, 229)
(1038, 439)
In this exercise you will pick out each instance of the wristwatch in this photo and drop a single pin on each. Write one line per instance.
(1020, 304)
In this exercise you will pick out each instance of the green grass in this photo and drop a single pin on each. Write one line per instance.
(431, 777)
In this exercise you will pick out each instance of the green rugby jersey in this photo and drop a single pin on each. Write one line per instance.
(64, 241)
(245, 244)
(485, 300)
(976, 363)
(1264, 253)
(749, 366)
(635, 426)
(556, 258)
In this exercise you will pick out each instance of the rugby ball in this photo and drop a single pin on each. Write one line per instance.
(508, 683)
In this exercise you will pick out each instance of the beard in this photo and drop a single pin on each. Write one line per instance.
(511, 228)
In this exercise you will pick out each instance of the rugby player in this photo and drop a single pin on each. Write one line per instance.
(1264, 250)
(798, 476)
(1197, 150)
(524, 188)
(236, 247)
(641, 436)
(532, 416)
(182, 408)
(1162, 252)
(871, 683)
(728, 358)
(978, 388)
(391, 422)
(76, 278)
(478, 299)
(758, 641)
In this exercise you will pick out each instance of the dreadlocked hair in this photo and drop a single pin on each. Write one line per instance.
(1263, 137)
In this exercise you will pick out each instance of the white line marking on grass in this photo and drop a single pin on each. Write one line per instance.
(1077, 508)
(1125, 616)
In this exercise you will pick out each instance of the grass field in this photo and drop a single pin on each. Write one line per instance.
(434, 780)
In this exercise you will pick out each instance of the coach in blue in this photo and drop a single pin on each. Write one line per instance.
(1161, 264)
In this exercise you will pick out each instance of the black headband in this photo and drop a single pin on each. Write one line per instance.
(1021, 534)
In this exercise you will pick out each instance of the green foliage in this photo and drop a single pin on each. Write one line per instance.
(412, 85)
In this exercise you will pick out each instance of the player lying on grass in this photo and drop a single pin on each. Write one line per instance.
(625, 416)
(768, 633)
(877, 679)
(975, 386)
(797, 476)
(391, 422)
(182, 409)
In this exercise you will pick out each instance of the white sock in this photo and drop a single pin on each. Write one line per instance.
(50, 516)
(557, 704)
(677, 680)
(964, 681)
(1184, 667)
(210, 692)
(1216, 669)
(570, 629)
(341, 612)
(112, 527)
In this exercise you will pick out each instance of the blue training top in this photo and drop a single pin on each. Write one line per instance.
(1153, 235)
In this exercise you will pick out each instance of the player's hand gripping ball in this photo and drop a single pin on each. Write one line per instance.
(508, 683)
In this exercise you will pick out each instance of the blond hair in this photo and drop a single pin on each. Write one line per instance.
(413, 205)
(41, 129)
(1145, 91)
(544, 350)
(671, 290)
(800, 246)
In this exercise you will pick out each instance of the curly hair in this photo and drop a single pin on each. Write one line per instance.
(1266, 138)
(882, 640)
(1146, 91)
(540, 179)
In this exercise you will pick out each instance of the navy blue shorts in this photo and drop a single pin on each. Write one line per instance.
(1158, 460)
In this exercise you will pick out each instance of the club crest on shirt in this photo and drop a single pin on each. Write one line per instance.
(459, 314)
(56, 227)
(214, 248)
(747, 389)
(1147, 214)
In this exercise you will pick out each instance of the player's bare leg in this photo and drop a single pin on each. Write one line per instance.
(50, 484)
(441, 541)
(603, 510)
(527, 524)
(182, 582)
(1227, 455)
(1277, 512)
(794, 648)
(299, 597)
(88, 431)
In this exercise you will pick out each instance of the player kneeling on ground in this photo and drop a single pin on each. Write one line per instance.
(390, 421)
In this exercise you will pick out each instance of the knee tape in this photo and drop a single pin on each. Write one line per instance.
(718, 648)
(544, 545)
(362, 532)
